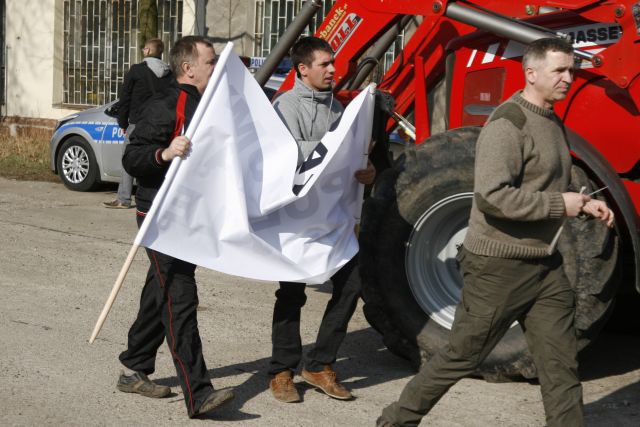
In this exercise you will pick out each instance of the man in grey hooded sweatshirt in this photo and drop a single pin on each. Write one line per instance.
(140, 83)
(309, 110)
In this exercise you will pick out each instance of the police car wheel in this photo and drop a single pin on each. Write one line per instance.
(77, 165)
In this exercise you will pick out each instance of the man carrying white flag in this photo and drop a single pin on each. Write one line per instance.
(309, 110)
(169, 298)
(238, 205)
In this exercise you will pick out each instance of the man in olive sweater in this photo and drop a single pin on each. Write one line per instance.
(521, 197)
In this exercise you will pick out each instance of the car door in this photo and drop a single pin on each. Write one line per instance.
(112, 147)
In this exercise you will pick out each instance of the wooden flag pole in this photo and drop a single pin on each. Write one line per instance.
(114, 292)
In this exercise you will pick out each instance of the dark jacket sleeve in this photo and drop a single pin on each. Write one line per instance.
(125, 98)
(152, 133)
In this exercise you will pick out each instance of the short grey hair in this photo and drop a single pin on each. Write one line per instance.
(186, 50)
(537, 50)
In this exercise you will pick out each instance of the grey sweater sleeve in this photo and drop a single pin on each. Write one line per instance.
(289, 115)
(499, 163)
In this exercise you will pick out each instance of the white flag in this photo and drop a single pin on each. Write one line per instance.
(231, 205)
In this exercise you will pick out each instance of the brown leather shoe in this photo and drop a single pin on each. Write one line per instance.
(325, 380)
(283, 388)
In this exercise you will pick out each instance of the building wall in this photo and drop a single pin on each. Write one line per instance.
(30, 58)
(189, 17)
(34, 46)
(231, 20)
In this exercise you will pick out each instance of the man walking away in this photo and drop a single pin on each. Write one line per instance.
(521, 198)
(170, 297)
(140, 83)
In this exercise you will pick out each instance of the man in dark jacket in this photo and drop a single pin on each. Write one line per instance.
(169, 297)
(140, 83)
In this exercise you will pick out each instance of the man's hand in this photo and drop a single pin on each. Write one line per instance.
(574, 202)
(179, 147)
(366, 176)
(598, 209)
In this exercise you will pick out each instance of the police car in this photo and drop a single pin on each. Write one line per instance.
(86, 148)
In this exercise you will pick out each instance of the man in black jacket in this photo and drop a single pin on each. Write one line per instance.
(169, 297)
(140, 83)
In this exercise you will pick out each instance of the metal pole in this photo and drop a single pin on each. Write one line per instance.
(201, 12)
(287, 40)
(501, 26)
(377, 51)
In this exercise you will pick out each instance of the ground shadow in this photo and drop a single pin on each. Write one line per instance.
(611, 354)
(620, 408)
(363, 361)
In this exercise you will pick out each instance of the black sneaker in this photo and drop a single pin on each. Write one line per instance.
(216, 399)
(141, 384)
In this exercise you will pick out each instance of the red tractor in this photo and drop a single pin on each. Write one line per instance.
(462, 61)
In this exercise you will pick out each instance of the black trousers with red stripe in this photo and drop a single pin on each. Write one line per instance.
(168, 310)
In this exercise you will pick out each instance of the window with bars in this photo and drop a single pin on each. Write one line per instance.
(100, 45)
(273, 17)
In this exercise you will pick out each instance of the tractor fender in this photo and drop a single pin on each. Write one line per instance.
(599, 166)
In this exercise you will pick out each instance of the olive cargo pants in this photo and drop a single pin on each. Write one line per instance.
(497, 292)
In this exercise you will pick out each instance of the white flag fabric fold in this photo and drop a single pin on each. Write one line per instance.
(231, 204)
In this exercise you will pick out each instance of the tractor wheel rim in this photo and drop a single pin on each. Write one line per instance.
(75, 164)
(431, 266)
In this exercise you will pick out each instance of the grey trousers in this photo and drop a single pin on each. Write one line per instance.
(126, 183)
(496, 293)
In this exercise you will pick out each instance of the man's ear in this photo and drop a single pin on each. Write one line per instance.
(531, 75)
(186, 69)
(302, 69)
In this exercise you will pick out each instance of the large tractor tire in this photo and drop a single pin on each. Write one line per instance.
(413, 224)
